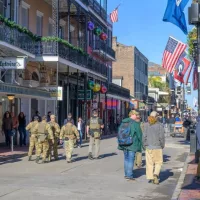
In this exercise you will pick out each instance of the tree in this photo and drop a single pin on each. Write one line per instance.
(192, 36)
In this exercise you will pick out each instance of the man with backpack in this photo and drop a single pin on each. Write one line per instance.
(44, 134)
(130, 142)
(94, 126)
(31, 127)
(68, 133)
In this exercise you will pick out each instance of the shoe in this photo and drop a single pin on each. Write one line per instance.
(150, 181)
(130, 179)
(155, 179)
(37, 160)
(79, 147)
(29, 158)
(99, 157)
(126, 177)
(69, 161)
(90, 156)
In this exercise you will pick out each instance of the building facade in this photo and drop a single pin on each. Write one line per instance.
(50, 54)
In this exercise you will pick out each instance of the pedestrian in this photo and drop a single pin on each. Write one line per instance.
(153, 142)
(69, 118)
(81, 128)
(49, 116)
(15, 127)
(94, 126)
(33, 141)
(172, 121)
(56, 134)
(37, 114)
(7, 126)
(68, 133)
(22, 128)
(44, 134)
(133, 129)
(198, 148)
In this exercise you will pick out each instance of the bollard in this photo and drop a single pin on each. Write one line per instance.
(193, 141)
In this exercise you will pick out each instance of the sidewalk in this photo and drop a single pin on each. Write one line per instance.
(190, 189)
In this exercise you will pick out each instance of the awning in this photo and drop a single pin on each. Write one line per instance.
(21, 91)
(118, 97)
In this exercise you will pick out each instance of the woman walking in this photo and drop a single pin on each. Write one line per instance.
(7, 127)
(21, 128)
(80, 126)
(153, 142)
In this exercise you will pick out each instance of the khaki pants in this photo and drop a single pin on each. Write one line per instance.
(53, 147)
(43, 147)
(69, 147)
(138, 160)
(32, 143)
(154, 160)
(97, 146)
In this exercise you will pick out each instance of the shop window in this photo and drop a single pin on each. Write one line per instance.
(35, 76)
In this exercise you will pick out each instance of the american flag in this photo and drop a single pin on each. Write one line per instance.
(172, 52)
(114, 15)
(195, 78)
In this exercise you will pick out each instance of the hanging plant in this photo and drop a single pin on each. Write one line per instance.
(97, 87)
(90, 85)
(103, 36)
(97, 31)
(103, 89)
(90, 26)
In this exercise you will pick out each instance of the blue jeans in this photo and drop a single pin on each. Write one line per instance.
(80, 135)
(129, 157)
(22, 134)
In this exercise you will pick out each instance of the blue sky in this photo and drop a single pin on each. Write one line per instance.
(140, 24)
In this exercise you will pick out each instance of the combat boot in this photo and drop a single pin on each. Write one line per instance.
(29, 158)
(37, 160)
(155, 179)
(90, 156)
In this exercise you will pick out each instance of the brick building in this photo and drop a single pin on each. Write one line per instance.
(130, 69)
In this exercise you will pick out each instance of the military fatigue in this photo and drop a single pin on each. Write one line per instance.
(54, 147)
(68, 133)
(43, 146)
(32, 128)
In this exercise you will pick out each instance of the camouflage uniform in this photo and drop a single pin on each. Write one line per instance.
(56, 134)
(44, 145)
(32, 128)
(68, 133)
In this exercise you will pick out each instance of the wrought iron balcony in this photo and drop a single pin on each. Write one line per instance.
(16, 38)
(65, 52)
(102, 46)
(119, 91)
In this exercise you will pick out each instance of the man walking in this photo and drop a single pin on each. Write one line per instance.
(33, 142)
(94, 126)
(153, 142)
(56, 134)
(68, 133)
(44, 134)
(132, 128)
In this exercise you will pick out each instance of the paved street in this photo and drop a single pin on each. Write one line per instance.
(90, 180)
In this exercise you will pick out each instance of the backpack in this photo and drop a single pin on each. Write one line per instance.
(69, 130)
(124, 134)
(94, 123)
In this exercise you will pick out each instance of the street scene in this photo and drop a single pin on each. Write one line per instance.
(99, 99)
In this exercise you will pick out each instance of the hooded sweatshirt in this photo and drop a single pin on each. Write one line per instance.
(198, 132)
(136, 133)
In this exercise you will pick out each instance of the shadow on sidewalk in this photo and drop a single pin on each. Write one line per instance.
(166, 158)
(137, 173)
(11, 158)
(164, 175)
(190, 183)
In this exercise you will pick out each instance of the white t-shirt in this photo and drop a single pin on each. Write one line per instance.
(79, 126)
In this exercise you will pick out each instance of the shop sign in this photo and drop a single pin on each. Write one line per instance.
(13, 63)
(81, 94)
(56, 93)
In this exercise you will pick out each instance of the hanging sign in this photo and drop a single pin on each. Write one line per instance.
(12, 63)
(56, 93)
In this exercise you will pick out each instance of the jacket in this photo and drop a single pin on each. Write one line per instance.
(136, 133)
(74, 134)
(153, 136)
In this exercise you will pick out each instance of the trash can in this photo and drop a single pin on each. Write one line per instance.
(193, 141)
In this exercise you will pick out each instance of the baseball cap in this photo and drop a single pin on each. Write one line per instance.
(133, 112)
(154, 114)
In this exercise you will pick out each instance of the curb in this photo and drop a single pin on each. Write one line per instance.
(181, 179)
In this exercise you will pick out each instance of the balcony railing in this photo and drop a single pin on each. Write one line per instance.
(65, 52)
(18, 39)
(117, 90)
(100, 45)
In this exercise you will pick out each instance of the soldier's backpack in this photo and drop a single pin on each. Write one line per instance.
(68, 131)
(124, 134)
(42, 134)
(94, 127)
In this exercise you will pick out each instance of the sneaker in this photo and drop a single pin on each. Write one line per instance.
(130, 179)
(90, 156)
(79, 147)
(155, 179)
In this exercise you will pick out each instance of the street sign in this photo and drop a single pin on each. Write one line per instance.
(82, 92)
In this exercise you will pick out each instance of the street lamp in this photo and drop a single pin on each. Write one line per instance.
(10, 97)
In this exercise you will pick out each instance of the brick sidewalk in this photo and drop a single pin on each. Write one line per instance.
(190, 189)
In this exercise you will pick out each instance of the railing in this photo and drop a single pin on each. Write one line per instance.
(16, 38)
(117, 90)
(100, 45)
(65, 52)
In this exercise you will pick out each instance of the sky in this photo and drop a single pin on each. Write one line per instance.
(140, 24)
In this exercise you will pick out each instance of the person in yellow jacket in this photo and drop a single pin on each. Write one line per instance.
(68, 133)
(33, 142)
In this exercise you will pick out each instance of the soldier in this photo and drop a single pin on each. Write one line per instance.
(56, 134)
(32, 128)
(68, 133)
(44, 134)
(94, 126)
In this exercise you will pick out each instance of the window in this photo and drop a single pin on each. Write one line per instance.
(3, 7)
(25, 14)
(39, 23)
(62, 29)
(50, 27)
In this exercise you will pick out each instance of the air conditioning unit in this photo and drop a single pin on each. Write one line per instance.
(193, 14)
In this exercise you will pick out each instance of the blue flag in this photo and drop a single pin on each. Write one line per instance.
(174, 13)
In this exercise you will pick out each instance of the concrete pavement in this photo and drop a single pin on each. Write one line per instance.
(90, 180)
